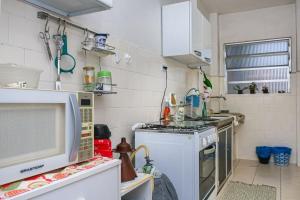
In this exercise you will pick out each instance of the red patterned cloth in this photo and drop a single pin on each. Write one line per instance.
(19, 187)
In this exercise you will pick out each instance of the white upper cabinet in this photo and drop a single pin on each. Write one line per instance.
(186, 34)
(70, 8)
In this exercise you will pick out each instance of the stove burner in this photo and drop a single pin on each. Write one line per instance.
(181, 127)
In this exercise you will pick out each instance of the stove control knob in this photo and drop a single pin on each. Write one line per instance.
(204, 142)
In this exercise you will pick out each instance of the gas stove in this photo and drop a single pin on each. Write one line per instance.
(185, 152)
(185, 127)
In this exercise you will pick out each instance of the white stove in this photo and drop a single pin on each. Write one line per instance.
(186, 153)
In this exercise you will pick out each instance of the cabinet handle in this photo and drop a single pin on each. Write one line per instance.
(77, 128)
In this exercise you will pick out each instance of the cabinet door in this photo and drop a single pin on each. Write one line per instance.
(206, 34)
(197, 28)
(176, 29)
(102, 186)
(222, 157)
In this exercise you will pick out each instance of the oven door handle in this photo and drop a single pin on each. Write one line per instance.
(77, 128)
(210, 151)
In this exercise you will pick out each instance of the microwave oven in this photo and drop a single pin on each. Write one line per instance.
(42, 131)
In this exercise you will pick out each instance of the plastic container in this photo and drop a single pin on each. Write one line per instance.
(103, 148)
(104, 81)
(193, 106)
(282, 156)
(264, 154)
(100, 40)
(11, 75)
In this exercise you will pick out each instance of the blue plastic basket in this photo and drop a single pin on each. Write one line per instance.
(263, 153)
(282, 156)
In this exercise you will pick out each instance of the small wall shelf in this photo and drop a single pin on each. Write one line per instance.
(102, 92)
(100, 52)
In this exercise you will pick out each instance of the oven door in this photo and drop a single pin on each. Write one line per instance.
(37, 132)
(207, 171)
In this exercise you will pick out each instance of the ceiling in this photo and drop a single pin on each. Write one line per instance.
(231, 6)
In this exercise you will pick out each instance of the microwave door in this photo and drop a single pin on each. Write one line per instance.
(38, 132)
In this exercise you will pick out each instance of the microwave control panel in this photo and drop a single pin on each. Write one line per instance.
(86, 104)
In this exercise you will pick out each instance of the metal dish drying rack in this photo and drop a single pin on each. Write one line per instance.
(102, 92)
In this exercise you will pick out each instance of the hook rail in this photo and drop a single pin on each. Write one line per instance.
(45, 16)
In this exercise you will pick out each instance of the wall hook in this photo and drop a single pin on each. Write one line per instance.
(201, 71)
(59, 25)
(47, 28)
(65, 25)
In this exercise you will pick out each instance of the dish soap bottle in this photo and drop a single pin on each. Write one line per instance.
(167, 111)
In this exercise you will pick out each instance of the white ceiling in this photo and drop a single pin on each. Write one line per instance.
(231, 6)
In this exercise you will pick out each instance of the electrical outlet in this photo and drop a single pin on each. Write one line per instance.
(164, 68)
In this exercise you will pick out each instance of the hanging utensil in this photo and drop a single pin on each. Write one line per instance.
(46, 37)
(59, 44)
(68, 62)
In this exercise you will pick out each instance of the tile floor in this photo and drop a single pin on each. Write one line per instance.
(286, 180)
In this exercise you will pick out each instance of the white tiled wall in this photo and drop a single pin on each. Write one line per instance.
(271, 119)
(140, 89)
(140, 83)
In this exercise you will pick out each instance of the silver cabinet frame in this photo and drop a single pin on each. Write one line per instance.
(228, 129)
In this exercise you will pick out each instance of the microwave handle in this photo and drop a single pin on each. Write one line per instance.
(77, 128)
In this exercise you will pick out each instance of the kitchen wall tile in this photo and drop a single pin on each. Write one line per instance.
(4, 24)
(140, 83)
(11, 54)
(19, 8)
(40, 61)
(118, 133)
(25, 37)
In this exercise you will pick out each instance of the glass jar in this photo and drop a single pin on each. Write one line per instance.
(89, 78)
(104, 81)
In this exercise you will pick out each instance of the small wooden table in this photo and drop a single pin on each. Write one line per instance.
(138, 189)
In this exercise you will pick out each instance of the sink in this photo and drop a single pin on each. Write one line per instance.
(218, 121)
(207, 119)
(220, 118)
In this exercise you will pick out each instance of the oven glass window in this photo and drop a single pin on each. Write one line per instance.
(207, 171)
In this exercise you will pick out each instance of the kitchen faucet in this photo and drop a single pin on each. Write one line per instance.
(218, 97)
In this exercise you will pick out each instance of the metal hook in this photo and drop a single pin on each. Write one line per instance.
(65, 24)
(47, 28)
(201, 71)
(59, 25)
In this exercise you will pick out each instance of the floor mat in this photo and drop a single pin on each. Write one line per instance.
(243, 191)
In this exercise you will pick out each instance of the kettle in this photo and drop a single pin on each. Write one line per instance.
(127, 170)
